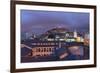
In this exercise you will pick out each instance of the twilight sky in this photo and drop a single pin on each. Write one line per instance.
(38, 22)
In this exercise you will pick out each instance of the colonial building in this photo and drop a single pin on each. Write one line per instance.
(42, 51)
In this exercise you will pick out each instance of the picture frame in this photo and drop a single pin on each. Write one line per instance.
(39, 17)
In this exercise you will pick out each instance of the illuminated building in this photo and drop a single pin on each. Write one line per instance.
(86, 39)
(63, 34)
(75, 34)
(60, 34)
(40, 48)
(48, 42)
(42, 51)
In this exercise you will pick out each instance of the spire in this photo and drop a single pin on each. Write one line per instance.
(75, 33)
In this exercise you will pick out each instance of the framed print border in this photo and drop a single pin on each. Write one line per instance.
(13, 35)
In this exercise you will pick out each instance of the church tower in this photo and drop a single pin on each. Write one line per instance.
(75, 34)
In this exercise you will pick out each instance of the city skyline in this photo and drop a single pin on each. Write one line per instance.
(54, 36)
(38, 22)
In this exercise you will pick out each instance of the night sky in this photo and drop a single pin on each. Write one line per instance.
(38, 22)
